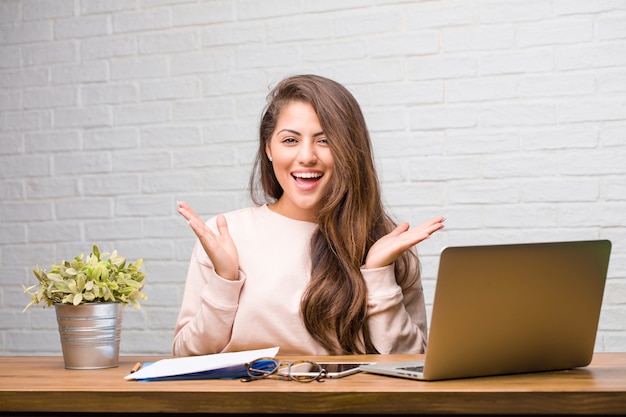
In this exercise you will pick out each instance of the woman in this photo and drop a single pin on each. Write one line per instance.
(316, 267)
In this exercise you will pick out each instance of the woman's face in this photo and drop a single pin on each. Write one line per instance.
(302, 161)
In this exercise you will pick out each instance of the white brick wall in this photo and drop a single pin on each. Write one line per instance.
(508, 117)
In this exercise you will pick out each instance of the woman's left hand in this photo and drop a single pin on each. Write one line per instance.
(387, 249)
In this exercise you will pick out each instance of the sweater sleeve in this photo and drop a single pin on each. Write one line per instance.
(396, 318)
(210, 302)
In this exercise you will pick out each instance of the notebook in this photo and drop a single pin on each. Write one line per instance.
(507, 309)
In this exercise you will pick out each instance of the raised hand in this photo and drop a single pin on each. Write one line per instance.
(219, 247)
(387, 249)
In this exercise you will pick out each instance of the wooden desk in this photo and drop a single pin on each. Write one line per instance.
(32, 385)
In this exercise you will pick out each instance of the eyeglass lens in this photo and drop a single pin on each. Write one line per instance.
(301, 371)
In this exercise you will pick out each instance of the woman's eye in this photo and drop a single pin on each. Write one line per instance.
(323, 141)
(289, 140)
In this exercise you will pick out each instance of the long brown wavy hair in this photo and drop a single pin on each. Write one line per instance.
(334, 305)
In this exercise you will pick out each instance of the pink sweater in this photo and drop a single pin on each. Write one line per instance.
(262, 308)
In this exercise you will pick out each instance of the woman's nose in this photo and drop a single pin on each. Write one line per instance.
(307, 154)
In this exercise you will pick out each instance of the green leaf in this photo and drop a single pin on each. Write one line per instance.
(78, 298)
(55, 277)
(80, 282)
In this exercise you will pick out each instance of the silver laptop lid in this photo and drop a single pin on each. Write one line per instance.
(503, 309)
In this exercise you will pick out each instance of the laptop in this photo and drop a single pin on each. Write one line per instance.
(508, 309)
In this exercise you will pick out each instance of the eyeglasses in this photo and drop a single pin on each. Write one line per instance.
(300, 371)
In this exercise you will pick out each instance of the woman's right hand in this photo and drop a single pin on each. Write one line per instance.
(219, 247)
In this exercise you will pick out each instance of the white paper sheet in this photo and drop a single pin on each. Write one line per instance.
(192, 364)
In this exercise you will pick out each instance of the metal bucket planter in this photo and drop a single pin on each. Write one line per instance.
(90, 334)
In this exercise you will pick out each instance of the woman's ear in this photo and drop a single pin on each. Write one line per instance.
(268, 152)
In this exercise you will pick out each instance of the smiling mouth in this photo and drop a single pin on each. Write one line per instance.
(307, 177)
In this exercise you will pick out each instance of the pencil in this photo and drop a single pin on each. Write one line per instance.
(136, 367)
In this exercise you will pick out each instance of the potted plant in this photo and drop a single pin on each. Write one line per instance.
(89, 297)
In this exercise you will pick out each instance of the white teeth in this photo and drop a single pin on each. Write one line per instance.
(307, 175)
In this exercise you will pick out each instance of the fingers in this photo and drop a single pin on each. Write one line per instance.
(198, 225)
(425, 230)
(222, 225)
(401, 228)
(186, 211)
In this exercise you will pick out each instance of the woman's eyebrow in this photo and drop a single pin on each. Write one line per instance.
(295, 132)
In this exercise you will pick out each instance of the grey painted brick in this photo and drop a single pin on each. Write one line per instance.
(534, 60)
(25, 121)
(137, 21)
(251, 9)
(124, 228)
(520, 166)
(24, 166)
(495, 11)
(518, 114)
(612, 82)
(10, 57)
(11, 234)
(53, 231)
(99, 6)
(110, 185)
(47, 9)
(481, 90)
(474, 141)
(51, 141)
(26, 211)
(432, 168)
(616, 189)
(203, 110)
(566, 30)
(182, 88)
(171, 136)
(85, 163)
(108, 47)
(233, 33)
(50, 97)
(10, 100)
(148, 206)
(611, 26)
(82, 117)
(80, 73)
(141, 161)
(478, 38)
(173, 43)
(409, 44)
(206, 61)
(10, 12)
(84, 208)
(443, 117)
(440, 14)
(109, 94)
(203, 14)
(12, 143)
(23, 78)
(141, 114)
(82, 27)
(27, 32)
(111, 138)
(215, 155)
(591, 56)
(366, 22)
(138, 68)
(52, 53)
(565, 137)
(592, 110)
